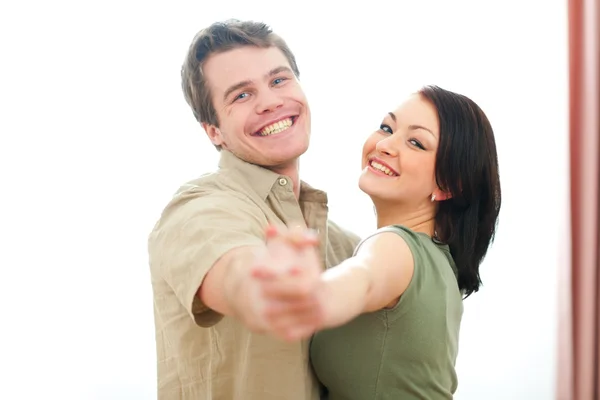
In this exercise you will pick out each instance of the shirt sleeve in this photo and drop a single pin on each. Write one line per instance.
(194, 232)
(343, 240)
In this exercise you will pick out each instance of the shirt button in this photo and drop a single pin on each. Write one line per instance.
(282, 181)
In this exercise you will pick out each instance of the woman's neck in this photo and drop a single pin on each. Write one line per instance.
(420, 219)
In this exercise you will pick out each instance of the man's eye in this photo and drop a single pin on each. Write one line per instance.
(241, 96)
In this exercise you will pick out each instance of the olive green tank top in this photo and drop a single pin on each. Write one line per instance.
(406, 352)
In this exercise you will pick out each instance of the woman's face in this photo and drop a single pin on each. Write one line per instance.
(399, 158)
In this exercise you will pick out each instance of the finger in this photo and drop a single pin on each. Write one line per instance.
(298, 273)
(272, 231)
(294, 334)
(263, 266)
(285, 251)
(263, 273)
(295, 325)
(309, 261)
(282, 254)
(279, 308)
(300, 237)
(289, 288)
(297, 235)
(299, 333)
(286, 316)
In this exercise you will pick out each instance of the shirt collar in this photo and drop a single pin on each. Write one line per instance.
(263, 179)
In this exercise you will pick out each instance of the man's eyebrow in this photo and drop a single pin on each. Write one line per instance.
(236, 87)
(279, 70)
(240, 85)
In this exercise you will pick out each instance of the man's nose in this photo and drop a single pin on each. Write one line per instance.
(269, 101)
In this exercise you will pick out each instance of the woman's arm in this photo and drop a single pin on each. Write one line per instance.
(373, 279)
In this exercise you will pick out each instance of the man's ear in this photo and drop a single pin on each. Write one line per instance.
(214, 134)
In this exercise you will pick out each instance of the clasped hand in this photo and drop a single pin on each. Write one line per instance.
(288, 282)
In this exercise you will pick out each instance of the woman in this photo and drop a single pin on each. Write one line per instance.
(392, 312)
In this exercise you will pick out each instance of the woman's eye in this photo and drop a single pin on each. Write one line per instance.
(416, 143)
(386, 128)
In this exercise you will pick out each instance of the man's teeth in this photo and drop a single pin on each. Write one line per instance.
(382, 168)
(277, 127)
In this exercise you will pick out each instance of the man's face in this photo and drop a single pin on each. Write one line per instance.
(263, 113)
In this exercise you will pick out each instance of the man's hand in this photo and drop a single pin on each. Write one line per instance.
(289, 286)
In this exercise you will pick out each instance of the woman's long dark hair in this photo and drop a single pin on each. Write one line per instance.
(467, 169)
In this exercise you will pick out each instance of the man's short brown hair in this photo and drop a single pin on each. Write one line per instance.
(218, 38)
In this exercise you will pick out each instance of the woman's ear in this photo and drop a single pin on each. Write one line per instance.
(440, 195)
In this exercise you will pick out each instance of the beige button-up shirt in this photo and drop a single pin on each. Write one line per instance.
(202, 355)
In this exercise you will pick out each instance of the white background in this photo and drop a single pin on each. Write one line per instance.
(96, 136)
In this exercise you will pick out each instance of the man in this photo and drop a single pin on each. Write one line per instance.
(241, 81)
